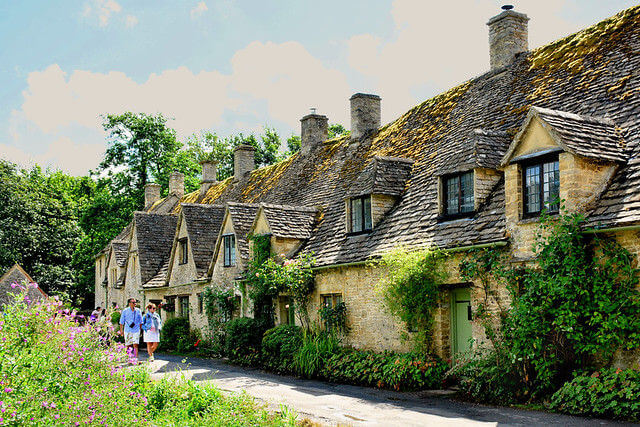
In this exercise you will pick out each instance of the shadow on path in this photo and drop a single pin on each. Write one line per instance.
(346, 404)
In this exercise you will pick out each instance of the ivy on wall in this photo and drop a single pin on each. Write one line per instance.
(268, 276)
(410, 290)
(571, 310)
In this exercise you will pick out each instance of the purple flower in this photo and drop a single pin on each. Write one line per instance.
(8, 389)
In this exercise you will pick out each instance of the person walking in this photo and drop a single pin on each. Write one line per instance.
(151, 325)
(95, 315)
(130, 321)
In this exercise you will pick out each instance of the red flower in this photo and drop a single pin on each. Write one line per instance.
(196, 344)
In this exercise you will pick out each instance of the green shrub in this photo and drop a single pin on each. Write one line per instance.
(484, 377)
(176, 335)
(611, 393)
(408, 371)
(243, 340)
(316, 349)
(115, 318)
(279, 345)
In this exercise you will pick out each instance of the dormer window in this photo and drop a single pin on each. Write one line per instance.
(183, 251)
(541, 187)
(458, 194)
(360, 208)
(229, 246)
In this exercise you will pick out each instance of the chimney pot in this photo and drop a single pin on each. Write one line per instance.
(508, 36)
(209, 173)
(243, 160)
(365, 114)
(314, 131)
(151, 194)
(176, 184)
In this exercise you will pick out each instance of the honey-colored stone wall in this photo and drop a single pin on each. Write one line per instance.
(197, 318)
(582, 180)
(182, 273)
(484, 182)
(100, 297)
(133, 280)
(380, 205)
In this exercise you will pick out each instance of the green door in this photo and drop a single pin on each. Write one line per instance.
(461, 321)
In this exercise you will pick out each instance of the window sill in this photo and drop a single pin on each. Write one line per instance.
(183, 263)
(534, 218)
(228, 266)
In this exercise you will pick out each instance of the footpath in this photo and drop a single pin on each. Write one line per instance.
(334, 404)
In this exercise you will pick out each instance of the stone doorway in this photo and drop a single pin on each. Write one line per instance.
(461, 316)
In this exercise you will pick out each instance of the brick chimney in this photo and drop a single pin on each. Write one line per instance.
(151, 193)
(209, 173)
(176, 184)
(508, 36)
(365, 114)
(243, 160)
(314, 131)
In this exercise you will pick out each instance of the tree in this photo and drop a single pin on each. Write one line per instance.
(38, 224)
(336, 130)
(141, 149)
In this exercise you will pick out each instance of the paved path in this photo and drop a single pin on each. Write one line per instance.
(350, 405)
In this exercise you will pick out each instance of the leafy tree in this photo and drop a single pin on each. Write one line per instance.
(38, 224)
(141, 149)
(336, 130)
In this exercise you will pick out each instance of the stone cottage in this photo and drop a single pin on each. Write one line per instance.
(471, 167)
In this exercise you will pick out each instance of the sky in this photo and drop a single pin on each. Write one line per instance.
(232, 66)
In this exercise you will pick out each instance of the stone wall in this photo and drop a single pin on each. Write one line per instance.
(183, 273)
(582, 181)
(484, 182)
(380, 205)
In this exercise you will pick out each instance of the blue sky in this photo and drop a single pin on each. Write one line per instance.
(233, 65)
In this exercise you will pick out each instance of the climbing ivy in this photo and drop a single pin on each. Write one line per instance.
(268, 276)
(410, 290)
(571, 310)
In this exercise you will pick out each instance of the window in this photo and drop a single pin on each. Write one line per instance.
(184, 253)
(184, 306)
(114, 276)
(331, 300)
(541, 187)
(200, 301)
(458, 194)
(229, 245)
(360, 208)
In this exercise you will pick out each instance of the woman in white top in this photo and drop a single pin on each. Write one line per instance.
(151, 325)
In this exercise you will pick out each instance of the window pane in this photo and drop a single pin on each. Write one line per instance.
(551, 186)
(232, 250)
(532, 188)
(466, 186)
(367, 213)
(356, 215)
(453, 186)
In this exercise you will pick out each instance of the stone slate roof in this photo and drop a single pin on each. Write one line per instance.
(593, 137)
(242, 216)
(291, 222)
(160, 279)
(383, 175)
(155, 233)
(17, 275)
(121, 252)
(203, 226)
(484, 149)
(591, 73)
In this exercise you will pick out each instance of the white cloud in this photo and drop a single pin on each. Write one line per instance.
(436, 47)
(198, 10)
(131, 21)
(60, 107)
(101, 10)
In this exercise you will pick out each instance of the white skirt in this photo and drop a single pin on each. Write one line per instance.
(151, 336)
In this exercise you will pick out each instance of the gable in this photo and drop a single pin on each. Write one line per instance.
(535, 139)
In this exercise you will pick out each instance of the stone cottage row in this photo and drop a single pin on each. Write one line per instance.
(472, 167)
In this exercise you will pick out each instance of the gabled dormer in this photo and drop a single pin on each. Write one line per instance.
(288, 226)
(560, 156)
(196, 234)
(231, 252)
(557, 158)
(467, 176)
(376, 190)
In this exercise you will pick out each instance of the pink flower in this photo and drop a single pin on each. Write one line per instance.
(8, 389)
